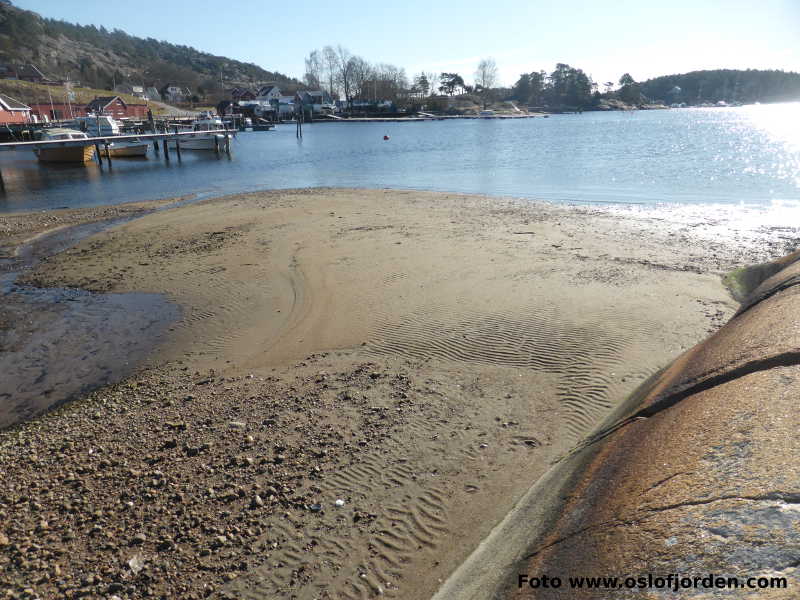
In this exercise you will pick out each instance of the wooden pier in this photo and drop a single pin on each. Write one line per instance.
(105, 142)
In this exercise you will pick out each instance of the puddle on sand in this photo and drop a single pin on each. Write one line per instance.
(57, 344)
(62, 343)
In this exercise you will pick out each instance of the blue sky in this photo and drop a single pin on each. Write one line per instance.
(605, 39)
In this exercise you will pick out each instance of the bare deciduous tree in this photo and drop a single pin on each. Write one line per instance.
(345, 66)
(486, 77)
(313, 70)
(330, 65)
(486, 73)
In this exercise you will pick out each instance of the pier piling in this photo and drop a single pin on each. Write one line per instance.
(108, 154)
(166, 149)
(98, 154)
(178, 145)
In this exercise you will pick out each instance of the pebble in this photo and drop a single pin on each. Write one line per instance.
(139, 538)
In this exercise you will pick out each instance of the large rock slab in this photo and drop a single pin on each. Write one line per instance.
(698, 474)
(768, 334)
(785, 278)
(711, 485)
(743, 282)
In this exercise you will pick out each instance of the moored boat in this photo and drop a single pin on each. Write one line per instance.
(96, 126)
(211, 141)
(117, 150)
(66, 154)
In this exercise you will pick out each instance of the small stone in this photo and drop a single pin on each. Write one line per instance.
(315, 507)
(136, 564)
(237, 425)
(339, 503)
(4, 541)
(139, 538)
(256, 502)
(165, 545)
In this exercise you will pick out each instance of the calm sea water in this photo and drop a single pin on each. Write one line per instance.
(748, 155)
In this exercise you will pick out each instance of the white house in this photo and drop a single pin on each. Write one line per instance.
(133, 90)
(267, 93)
(174, 93)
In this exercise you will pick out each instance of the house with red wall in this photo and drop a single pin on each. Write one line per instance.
(116, 107)
(57, 111)
(13, 111)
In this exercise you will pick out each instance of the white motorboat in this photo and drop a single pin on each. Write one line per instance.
(96, 125)
(68, 154)
(211, 141)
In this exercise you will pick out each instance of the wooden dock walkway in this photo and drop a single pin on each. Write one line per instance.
(106, 141)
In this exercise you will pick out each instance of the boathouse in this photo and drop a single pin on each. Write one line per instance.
(13, 111)
(116, 107)
(57, 111)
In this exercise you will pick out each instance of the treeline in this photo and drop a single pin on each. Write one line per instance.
(724, 84)
(351, 77)
(566, 86)
(116, 55)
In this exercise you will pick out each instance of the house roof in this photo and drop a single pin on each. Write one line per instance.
(102, 102)
(10, 104)
(266, 89)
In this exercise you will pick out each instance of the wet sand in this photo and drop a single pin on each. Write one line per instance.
(57, 344)
(422, 357)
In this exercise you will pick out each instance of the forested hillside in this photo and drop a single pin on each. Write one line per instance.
(568, 86)
(724, 84)
(99, 58)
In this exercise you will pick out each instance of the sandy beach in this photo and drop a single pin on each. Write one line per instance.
(359, 387)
